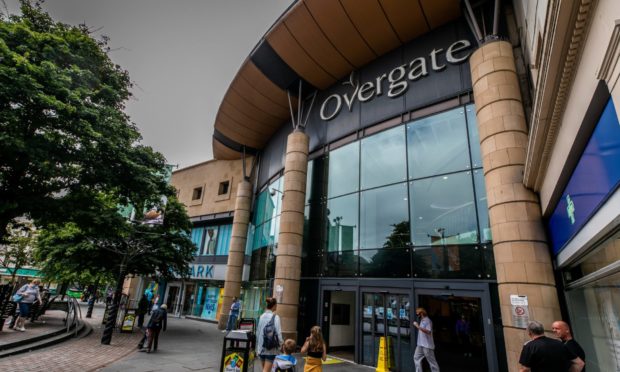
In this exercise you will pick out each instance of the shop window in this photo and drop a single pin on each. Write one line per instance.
(223, 240)
(210, 240)
(223, 188)
(196, 237)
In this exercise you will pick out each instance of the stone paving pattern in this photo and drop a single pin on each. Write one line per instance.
(48, 323)
(85, 354)
(187, 345)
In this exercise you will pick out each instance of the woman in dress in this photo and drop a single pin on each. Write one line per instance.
(316, 349)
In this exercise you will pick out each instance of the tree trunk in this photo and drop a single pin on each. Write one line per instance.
(106, 337)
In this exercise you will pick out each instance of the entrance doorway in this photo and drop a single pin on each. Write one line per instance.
(458, 330)
(172, 301)
(188, 299)
(386, 315)
(339, 323)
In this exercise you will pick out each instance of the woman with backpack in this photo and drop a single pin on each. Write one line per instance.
(316, 349)
(268, 335)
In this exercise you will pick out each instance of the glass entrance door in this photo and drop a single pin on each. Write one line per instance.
(458, 330)
(386, 315)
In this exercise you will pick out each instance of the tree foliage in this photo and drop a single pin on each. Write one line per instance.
(20, 243)
(99, 240)
(62, 126)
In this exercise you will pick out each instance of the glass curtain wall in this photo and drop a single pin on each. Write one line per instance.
(408, 201)
(264, 230)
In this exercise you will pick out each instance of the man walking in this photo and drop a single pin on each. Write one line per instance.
(563, 332)
(426, 346)
(233, 315)
(158, 321)
(543, 354)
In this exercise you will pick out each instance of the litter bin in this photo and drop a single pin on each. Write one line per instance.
(238, 352)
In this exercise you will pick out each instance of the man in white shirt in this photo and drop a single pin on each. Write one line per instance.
(426, 346)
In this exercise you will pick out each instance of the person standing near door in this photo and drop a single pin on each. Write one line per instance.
(425, 347)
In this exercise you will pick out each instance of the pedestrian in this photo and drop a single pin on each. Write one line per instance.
(29, 293)
(425, 347)
(269, 335)
(286, 361)
(233, 314)
(157, 322)
(143, 308)
(316, 349)
(562, 330)
(462, 330)
(544, 354)
(108, 297)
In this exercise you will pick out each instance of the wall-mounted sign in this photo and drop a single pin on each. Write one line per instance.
(595, 177)
(520, 311)
(201, 271)
(396, 82)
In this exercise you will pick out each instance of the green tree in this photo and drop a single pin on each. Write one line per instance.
(18, 248)
(62, 126)
(98, 239)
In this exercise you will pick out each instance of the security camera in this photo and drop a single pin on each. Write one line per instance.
(272, 192)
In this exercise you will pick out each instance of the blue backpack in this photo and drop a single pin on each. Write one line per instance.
(270, 336)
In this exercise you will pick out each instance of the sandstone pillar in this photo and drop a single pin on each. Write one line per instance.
(236, 253)
(290, 239)
(522, 257)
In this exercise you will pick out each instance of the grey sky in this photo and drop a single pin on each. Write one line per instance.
(181, 55)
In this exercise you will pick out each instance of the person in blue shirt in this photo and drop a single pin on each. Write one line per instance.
(233, 315)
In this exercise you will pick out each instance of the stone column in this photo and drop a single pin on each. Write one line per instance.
(290, 239)
(236, 253)
(522, 257)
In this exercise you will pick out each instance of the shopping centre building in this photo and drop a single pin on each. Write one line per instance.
(377, 156)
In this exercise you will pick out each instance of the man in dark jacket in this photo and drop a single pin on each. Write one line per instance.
(158, 321)
(143, 308)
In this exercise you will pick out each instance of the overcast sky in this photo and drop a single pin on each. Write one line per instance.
(181, 56)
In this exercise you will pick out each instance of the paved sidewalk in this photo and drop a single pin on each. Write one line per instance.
(191, 345)
(85, 354)
(52, 321)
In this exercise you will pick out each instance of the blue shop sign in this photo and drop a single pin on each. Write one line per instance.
(201, 271)
(595, 178)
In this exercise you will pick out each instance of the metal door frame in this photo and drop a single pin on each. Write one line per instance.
(479, 290)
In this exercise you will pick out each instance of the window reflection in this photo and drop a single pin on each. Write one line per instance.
(383, 226)
(438, 144)
(448, 261)
(342, 223)
(383, 158)
(483, 210)
(442, 210)
(474, 137)
(343, 170)
(385, 262)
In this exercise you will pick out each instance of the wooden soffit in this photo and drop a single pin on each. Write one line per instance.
(318, 42)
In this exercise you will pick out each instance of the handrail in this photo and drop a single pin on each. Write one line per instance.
(73, 310)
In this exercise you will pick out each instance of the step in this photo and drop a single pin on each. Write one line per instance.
(45, 340)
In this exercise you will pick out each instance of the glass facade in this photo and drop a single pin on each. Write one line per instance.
(593, 301)
(407, 201)
(263, 231)
(212, 240)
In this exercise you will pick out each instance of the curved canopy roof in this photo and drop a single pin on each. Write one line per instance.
(319, 42)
